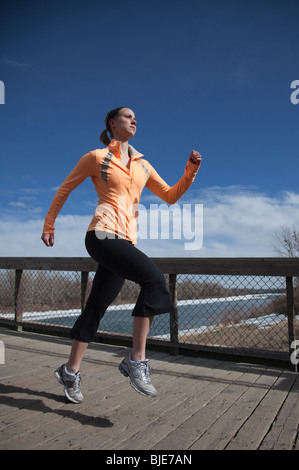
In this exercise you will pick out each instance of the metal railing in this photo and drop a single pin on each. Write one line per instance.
(239, 307)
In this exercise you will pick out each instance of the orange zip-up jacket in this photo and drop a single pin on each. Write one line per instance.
(118, 189)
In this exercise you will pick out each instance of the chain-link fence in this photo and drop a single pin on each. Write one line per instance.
(55, 298)
(233, 311)
(221, 311)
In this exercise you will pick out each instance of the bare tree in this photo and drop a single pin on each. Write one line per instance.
(286, 241)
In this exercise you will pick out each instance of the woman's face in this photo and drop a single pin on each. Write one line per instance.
(123, 125)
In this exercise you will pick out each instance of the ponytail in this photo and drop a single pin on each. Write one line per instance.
(104, 138)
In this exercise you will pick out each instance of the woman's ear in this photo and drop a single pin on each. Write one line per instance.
(111, 123)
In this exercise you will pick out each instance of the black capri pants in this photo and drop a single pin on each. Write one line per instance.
(118, 259)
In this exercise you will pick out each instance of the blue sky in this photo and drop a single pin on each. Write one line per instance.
(208, 75)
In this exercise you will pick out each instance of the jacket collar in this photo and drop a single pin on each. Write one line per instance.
(114, 146)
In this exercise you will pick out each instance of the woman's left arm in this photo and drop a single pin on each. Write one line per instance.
(171, 194)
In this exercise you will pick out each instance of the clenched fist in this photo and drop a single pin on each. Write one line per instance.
(48, 239)
(195, 157)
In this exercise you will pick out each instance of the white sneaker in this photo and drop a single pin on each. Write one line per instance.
(139, 373)
(71, 384)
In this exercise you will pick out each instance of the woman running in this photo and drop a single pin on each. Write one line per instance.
(119, 174)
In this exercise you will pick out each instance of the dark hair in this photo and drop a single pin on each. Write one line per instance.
(110, 115)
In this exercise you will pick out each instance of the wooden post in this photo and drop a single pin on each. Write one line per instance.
(174, 323)
(18, 299)
(84, 280)
(291, 320)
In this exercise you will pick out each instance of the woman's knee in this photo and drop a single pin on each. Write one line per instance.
(153, 277)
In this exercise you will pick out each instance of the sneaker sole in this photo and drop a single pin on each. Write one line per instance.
(125, 373)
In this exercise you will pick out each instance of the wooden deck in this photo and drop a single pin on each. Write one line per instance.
(201, 403)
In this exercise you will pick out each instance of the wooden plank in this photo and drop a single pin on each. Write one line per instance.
(52, 264)
(173, 317)
(121, 408)
(18, 295)
(43, 403)
(230, 266)
(254, 430)
(284, 430)
(220, 433)
(219, 397)
(117, 404)
(175, 403)
(201, 403)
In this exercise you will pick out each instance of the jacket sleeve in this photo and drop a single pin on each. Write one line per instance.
(85, 167)
(171, 194)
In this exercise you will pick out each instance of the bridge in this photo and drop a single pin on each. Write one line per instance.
(231, 386)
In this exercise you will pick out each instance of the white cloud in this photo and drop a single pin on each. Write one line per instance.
(242, 222)
(23, 238)
(4, 60)
(291, 198)
(18, 204)
(237, 222)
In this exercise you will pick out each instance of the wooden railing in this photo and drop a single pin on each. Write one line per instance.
(276, 267)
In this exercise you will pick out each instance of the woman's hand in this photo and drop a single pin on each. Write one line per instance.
(195, 157)
(48, 239)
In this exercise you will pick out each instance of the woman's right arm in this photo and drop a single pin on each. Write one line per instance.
(85, 167)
